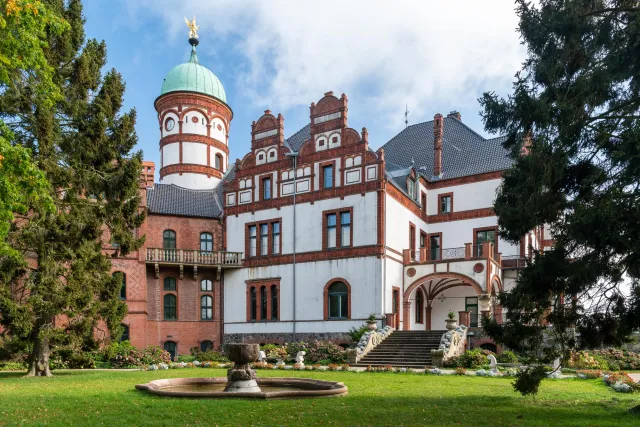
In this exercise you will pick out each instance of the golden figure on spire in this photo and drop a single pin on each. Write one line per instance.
(192, 27)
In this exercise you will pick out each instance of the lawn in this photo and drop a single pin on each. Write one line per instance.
(108, 398)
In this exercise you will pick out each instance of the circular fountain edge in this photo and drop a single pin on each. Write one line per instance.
(300, 388)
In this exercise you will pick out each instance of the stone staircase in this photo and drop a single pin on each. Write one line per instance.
(404, 349)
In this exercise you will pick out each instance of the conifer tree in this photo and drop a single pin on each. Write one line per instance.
(577, 102)
(62, 287)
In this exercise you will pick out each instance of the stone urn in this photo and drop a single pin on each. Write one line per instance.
(372, 326)
(451, 324)
(241, 378)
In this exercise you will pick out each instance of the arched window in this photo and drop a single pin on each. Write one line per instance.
(206, 242)
(206, 307)
(123, 286)
(206, 345)
(169, 239)
(172, 348)
(252, 303)
(169, 284)
(206, 285)
(338, 301)
(274, 302)
(419, 306)
(218, 162)
(170, 307)
(263, 303)
(125, 333)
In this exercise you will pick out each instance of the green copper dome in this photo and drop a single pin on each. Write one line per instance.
(193, 77)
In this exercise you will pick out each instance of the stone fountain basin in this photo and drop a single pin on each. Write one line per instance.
(272, 388)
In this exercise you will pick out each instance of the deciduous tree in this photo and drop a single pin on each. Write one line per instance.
(66, 112)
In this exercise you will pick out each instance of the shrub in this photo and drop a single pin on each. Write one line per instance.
(122, 355)
(12, 366)
(278, 353)
(154, 355)
(318, 351)
(460, 371)
(585, 360)
(209, 356)
(589, 374)
(356, 333)
(186, 358)
(473, 358)
(507, 356)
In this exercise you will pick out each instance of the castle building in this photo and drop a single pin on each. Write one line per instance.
(306, 236)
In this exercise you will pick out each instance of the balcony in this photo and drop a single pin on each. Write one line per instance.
(514, 262)
(195, 258)
(477, 266)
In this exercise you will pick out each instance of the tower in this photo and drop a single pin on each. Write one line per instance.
(194, 120)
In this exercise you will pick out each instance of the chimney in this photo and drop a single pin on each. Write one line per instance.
(526, 144)
(438, 130)
(147, 174)
(455, 115)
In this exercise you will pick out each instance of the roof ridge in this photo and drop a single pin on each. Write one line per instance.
(460, 122)
(184, 188)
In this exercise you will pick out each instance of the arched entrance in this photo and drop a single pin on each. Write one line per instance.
(441, 293)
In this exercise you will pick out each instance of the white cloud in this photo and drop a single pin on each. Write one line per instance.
(433, 55)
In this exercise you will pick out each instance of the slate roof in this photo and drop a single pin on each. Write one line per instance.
(169, 199)
(295, 141)
(464, 152)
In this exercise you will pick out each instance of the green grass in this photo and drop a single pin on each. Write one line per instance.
(109, 398)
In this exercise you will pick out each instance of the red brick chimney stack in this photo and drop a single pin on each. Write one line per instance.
(438, 131)
(455, 115)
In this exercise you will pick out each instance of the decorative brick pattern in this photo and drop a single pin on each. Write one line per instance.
(181, 168)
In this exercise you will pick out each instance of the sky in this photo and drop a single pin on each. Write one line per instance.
(430, 57)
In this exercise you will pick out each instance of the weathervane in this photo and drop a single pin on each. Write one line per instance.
(193, 28)
(406, 116)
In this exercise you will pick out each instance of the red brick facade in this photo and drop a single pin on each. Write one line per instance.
(145, 293)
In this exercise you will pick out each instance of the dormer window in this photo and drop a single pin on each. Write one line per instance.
(334, 139)
(261, 157)
(411, 188)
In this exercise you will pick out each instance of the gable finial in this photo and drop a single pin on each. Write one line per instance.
(406, 115)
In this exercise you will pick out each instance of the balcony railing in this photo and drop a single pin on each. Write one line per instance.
(194, 257)
(513, 262)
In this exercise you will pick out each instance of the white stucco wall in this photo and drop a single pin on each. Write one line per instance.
(465, 197)
(456, 233)
(170, 154)
(363, 275)
(309, 223)
(194, 153)
(198, 128)
(193, 181)
(397, 225)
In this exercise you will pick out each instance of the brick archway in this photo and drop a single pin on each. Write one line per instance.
(447, 281)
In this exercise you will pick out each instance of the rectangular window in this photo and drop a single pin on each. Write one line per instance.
(446, 203)
(331, 231)
(483, 237)
(264, 239)
(345, 229)
(434, 247)
(275, 237)
(471, 305)
(423, 202)
(423, 240)
(412, 240)
(327, 176)
(266, 189)
(252, 240)
(411, 188)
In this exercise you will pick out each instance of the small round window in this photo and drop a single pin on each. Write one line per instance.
(169, 124)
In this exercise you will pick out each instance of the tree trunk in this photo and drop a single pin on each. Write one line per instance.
(39, 360)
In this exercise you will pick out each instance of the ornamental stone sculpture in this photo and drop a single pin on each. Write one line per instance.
(241, 378)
